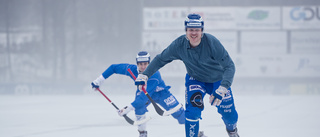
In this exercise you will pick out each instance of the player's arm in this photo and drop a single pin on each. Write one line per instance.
(226, 63)
(113, 69)
(167, 55)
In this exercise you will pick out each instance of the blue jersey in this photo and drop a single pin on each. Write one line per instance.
(208, 62)
(154, 83)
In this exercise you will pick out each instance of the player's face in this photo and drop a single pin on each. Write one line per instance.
(194, 36)
(142, 66)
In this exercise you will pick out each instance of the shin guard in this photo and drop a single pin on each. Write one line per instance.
(192, 128)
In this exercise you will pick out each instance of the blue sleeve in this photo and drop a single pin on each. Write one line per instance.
(121, 69)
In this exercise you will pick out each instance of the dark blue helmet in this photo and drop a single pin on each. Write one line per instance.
(143, 56)
(193, 21)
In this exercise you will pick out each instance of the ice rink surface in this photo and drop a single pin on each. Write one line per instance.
(93, 116)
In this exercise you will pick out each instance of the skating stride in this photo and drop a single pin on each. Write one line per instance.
(157, 89)
(210, 70)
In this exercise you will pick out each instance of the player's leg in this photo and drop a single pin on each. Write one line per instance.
(228, 112)
(142, 128)
(194, 105)
(141, 114)
(168, 101)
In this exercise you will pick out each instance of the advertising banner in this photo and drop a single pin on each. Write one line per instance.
(217, 17)
(158, 41)
(258, 18)
(305, 42)
(239, 18)
(301, 17)
(269, 42)
(167, 18)
(230, 18)
(229, 39)
(286, 66)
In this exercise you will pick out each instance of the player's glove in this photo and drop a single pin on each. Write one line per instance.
(125, 110)
(96, 83)
(216, 98)
(141, 81)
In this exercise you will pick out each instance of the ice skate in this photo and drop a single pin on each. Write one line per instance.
(233, 133)
(143, 134)
(201, 134)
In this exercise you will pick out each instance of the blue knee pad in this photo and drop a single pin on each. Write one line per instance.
(194, 106)
(194, 98)
(194, 101)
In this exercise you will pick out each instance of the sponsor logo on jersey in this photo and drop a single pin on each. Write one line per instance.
(196, 87)
(170, 101)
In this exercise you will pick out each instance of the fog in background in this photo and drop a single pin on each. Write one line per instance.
(61, 46)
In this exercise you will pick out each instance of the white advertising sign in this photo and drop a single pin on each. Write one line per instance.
(236, 18)
(258, 18)
(277, 66)
(269, 42)
(302, 17)
(229, 39)
(158, 41)
(217, 17)
(167, 18)
(305, 42)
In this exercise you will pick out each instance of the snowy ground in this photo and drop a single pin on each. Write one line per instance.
(93, 116)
